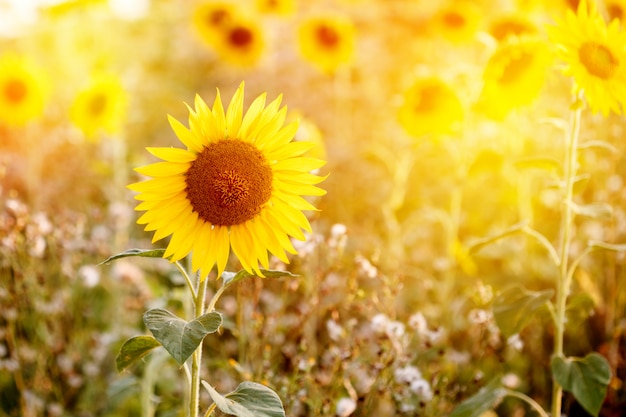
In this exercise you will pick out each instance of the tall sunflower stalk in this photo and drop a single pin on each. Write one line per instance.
(595, 59)
(237, 186)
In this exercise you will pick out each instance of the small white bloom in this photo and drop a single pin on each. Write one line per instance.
(422, 389)
(407, 374)
(511, 381)
(395, 329)
(90, 275)
(335, 331)
(380, 323)
(345, 407)
(418, 323)
(515, 342)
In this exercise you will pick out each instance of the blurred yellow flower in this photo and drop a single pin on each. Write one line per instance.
(309, 132)
(327, 41)
(615, 9)
(430, 106)
(22, 92)
(514, 76)
(279, 7)
(241, 42)
(458, 21)
(595, 57)
(101, 107)
(211, 18)
(238, 185)
(511, 25)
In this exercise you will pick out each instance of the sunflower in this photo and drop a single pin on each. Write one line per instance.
(615, 9)
(511, 25)
(278, 7)
(241, 42)
(238, 185)
(514, 76)
(595, 57)
(430, 106)
(211, 18)
(458, 21)
(22, 93)
(101, 107)
(327, 41)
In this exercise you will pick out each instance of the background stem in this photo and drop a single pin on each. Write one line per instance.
(564, 278)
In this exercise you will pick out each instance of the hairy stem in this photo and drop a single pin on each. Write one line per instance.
(196, 359)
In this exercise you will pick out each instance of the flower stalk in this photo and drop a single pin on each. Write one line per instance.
(196, 358)
(565, 277)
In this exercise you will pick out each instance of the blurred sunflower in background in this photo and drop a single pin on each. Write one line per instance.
(458, 21)
(238, 185)
(241, 42)
(430, 106)
(22, 90)
(615, 9)
(327, 41)
(514, 76)
(515, 24)
(101, 107)
(211, 18)
(595, 57)
(277, 7)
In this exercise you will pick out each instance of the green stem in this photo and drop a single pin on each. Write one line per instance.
(184, 273)
(564, 279)
(529, 401)
(196, 360)
(210, 410)
(216, 297)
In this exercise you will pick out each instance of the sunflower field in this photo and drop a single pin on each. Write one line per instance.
(269, 208)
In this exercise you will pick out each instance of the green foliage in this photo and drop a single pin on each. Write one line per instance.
(514, 306)
(232, 277)
(134, 349)
(144, 253)
(587, 378)
(250, 399)
(179, 337)
(485, 399)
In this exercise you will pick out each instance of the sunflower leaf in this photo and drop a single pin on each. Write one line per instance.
(586, 378)
(487, 398)
(134, 349)
(249, 399)
(514, 306)
(145, 253)
(232, 277)
(179, 337)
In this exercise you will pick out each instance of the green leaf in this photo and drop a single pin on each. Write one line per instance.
(587, 378)
(481, 243)
(134, 349)
(514, 306)
(248, 400)
(485, 399)
(145, 253)
(232, 277)
(179, 337)
(600, 211)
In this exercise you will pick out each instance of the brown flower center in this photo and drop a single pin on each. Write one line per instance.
(514, 70)
(453, 19)
(15, 90)
(327, 36)
(217, 17)
(97, 104)
(598, 60)
(429, 99)
(240, 36)
(229, 182)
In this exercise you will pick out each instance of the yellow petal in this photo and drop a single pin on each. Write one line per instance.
(235, 112)
(163, 169)
(172, 154)
(185, 136)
